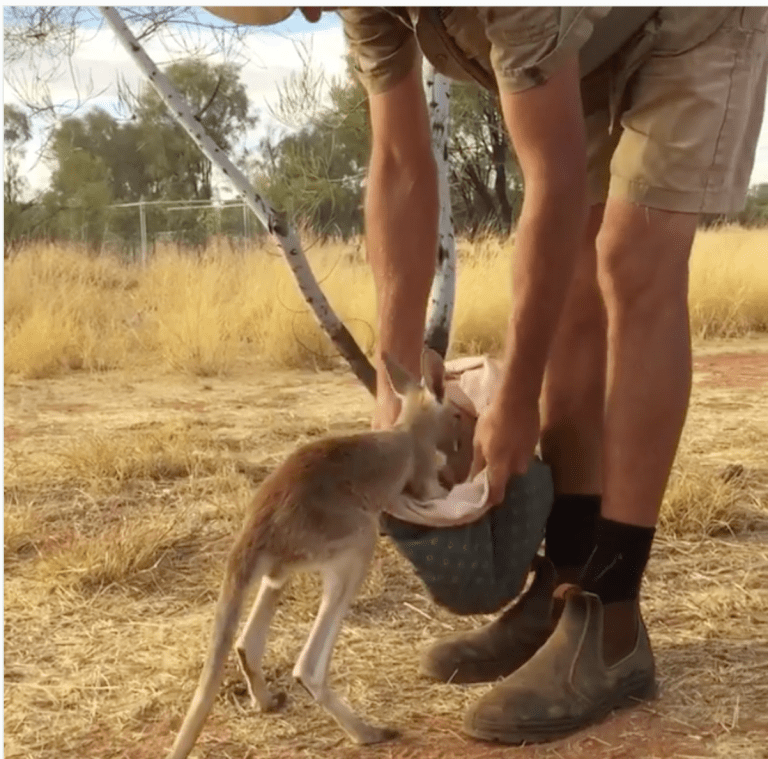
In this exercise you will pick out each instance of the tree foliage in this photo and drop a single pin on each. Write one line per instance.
(17, 131)
(316, 174)
(486, 188)
(97, 160)
(175, 166)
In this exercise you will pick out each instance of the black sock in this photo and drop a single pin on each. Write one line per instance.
(570, 532)
(615, 568)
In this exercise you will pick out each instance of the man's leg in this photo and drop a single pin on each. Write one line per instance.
(573, 401)
(600, 648)
(572, 445)
(643, 258)
(643, 272)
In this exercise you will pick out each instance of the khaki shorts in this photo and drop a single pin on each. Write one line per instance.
(672, 118)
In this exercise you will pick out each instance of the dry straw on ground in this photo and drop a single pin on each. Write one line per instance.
(122, 495)
(123, 489)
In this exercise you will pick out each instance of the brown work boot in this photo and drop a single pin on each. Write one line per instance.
(502, 646)
(567, 684)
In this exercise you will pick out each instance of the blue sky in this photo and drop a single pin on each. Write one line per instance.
(270, 56)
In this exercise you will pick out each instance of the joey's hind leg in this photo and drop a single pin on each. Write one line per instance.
(342, 578)
(250, 645)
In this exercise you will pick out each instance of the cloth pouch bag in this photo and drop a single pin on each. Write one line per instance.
(479, 567)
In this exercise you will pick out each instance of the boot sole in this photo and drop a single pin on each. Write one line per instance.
(633, 691)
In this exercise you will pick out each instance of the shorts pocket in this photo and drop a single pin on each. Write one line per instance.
(754, 19)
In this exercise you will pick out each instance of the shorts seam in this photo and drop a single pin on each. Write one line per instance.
(642, 192)
(718, 141)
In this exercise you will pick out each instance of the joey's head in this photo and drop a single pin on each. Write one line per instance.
(421, 401)
(440, 411)
(424, 414)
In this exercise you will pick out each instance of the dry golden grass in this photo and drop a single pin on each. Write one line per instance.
(66, 311)
(729, 283)
(703, 502)
(202, 314)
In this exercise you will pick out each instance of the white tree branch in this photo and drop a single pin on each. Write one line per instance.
(442, 298)
(275, 223)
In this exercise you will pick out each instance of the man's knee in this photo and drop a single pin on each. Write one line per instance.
(643, 258)
(583, 317)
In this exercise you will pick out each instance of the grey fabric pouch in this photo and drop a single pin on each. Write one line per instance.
(478, 568)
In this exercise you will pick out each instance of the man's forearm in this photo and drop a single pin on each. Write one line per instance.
(401, 211)
(546, 124)
(548, 236)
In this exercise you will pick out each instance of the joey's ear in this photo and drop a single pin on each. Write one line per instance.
(433, 371)
(399, 379)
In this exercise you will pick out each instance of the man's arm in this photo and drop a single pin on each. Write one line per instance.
(401, 215)
(546, 125)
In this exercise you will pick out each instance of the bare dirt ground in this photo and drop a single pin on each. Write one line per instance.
(122, 492)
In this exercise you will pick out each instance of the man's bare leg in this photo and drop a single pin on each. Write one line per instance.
(643, 258)
(643, 273)
(573, 402)
(573, 394)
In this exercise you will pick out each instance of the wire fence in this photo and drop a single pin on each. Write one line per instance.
(135, 229)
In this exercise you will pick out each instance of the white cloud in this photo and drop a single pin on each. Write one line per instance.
(269, 57)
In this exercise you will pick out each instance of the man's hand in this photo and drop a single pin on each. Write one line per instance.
(505, 439)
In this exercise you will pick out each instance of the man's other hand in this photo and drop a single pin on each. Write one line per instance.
(505, 440)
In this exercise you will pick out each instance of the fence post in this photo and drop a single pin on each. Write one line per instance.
(143, 228)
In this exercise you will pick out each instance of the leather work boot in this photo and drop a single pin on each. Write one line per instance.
(567, 685)
(501, 646)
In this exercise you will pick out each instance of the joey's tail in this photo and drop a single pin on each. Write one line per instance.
(228, 609)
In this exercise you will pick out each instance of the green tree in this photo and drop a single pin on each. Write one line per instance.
(17, 131)
(175, 165)
(755, 213)
(81, 187)
(17, 214)
(316, 174)
(97, 160)
(486, 188)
